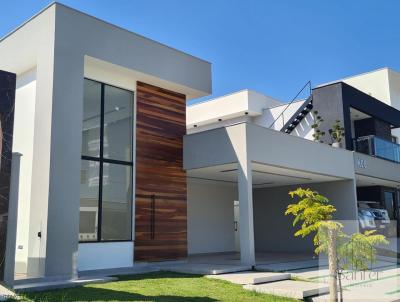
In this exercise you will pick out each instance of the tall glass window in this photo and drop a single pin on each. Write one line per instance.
(389, 198)
(106, 169)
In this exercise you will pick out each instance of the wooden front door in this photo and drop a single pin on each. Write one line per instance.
(160, 216)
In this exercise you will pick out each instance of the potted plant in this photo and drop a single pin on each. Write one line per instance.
(318, 134)
(337, 134)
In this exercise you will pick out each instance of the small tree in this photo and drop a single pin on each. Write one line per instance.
(318, 134)
(315, 214)
(336, 132)
(357, 251)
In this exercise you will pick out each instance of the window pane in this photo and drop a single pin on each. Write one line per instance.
(89, 200)
(389, 203)
(118, 123)
(91, 119)
(116, 206)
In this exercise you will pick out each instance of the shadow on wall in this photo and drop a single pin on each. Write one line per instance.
(274, 232)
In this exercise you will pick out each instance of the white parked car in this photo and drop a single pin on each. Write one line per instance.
(371, 215)
(366, 220)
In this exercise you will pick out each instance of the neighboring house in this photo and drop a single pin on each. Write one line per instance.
(117, 171)
(246, 146)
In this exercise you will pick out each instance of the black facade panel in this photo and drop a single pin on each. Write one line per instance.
(333, 102)
(369, 193)
(328, 101)
(372, 126)
(7, 102)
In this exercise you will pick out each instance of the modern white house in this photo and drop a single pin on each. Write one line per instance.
(112, 169)
(99, 121)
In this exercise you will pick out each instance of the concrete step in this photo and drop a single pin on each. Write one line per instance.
(137, 269)
(251, 277)
(40, 286)
(27, 280)
(204, 269)
(290, 289)
(291, 265)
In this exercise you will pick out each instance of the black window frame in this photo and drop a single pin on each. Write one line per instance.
(101, 160)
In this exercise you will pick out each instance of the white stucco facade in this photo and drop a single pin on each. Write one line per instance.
(247, 106)
(238, 106)
(235, 152)
(23, 143)
(60, 49)
(107, 255)
(210, 216)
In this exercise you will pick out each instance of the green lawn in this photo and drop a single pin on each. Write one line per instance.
(160, 287)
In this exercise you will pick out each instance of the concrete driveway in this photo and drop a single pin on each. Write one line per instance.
(380, 284)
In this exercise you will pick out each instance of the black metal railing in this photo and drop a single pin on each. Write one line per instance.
(298, 116)
(307, 85)
(378, 147)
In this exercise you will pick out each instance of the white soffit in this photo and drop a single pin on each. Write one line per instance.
(366, 181)
(263, 175)
(125, 78)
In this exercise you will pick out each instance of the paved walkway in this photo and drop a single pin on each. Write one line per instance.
(274, 283)
(290, 289)
(203, 268)
(381, 284)
(5, 293)
(250, 277)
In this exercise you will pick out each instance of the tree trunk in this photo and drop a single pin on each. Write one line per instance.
(332, 260)
(339, 274)
(340, 286)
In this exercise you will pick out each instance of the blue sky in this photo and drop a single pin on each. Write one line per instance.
(273, 47)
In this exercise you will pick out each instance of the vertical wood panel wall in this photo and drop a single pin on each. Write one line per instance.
(161, 215)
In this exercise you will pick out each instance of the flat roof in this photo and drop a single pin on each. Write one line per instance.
(98, 19)
(233, 93)
(356, 75)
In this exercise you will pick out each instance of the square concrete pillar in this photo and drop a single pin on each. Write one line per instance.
(246, 227)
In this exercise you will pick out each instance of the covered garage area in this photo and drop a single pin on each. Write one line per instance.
(238, 182)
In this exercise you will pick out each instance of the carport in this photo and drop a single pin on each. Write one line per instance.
(239, 177)
(378, 181)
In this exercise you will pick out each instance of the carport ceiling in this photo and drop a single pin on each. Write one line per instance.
(263, 175)
(366, 181)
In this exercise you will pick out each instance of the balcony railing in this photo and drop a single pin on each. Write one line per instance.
(378, 147)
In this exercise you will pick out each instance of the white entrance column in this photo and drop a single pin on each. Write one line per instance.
(246, 226)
